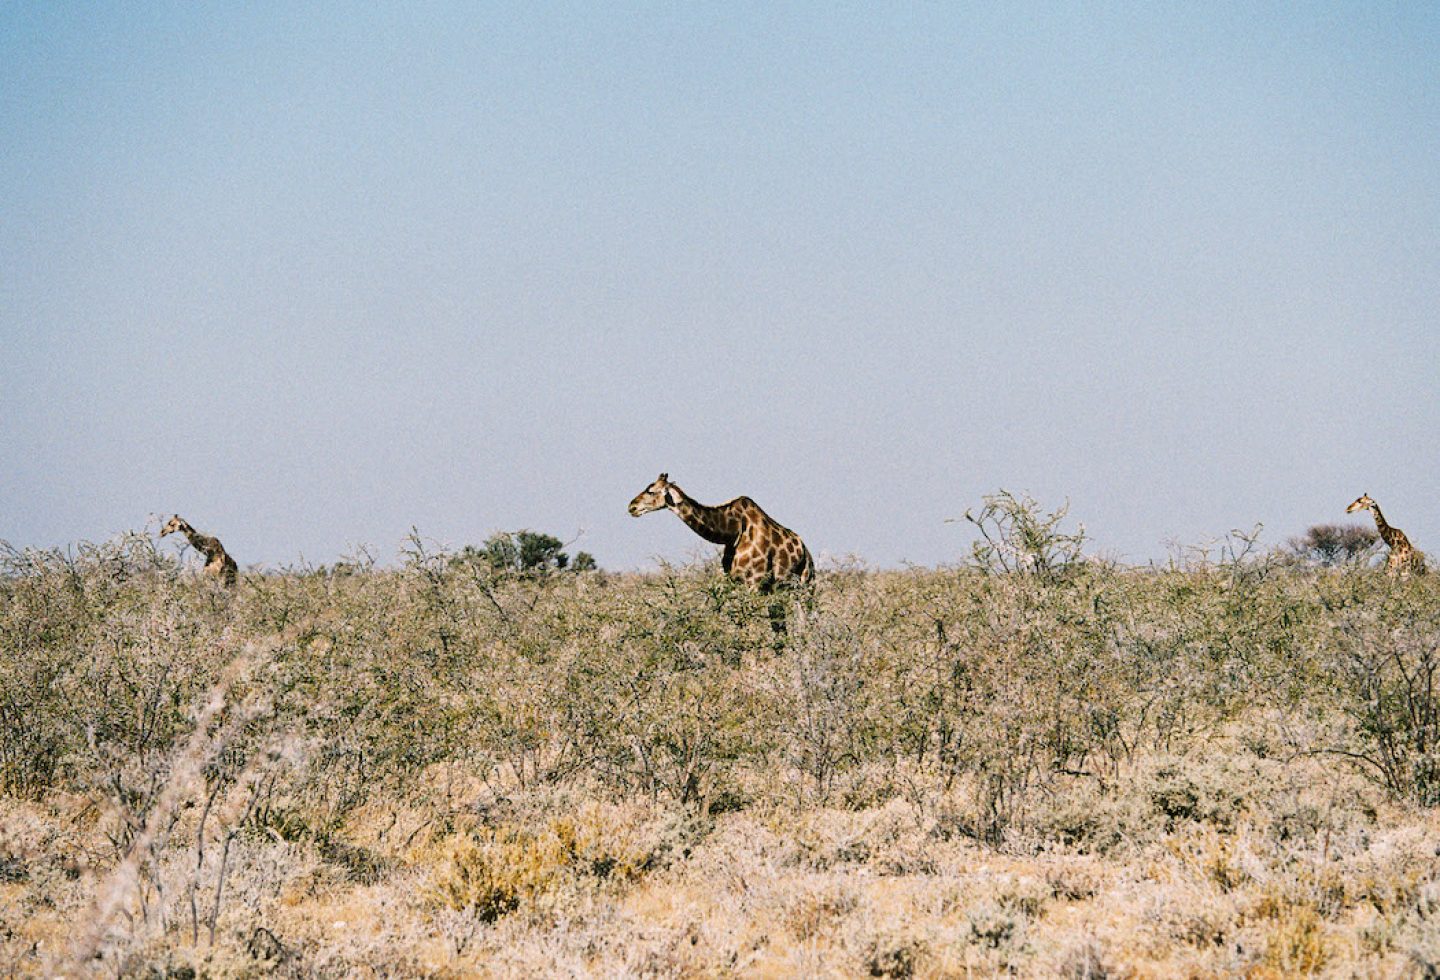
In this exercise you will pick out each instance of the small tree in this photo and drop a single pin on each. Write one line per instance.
(1335, 544)
(1018, 535)
(525, 553)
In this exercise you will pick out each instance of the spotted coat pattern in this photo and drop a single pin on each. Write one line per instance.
(758, 550)
(1404, 558)
(218, 563)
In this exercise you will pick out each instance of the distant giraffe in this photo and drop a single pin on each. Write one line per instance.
(218, 562)
(1403, 556)
(759, 552)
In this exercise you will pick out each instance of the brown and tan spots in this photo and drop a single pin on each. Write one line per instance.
(218, 563)
(757, 550)
(792, 554)
(1404, 558)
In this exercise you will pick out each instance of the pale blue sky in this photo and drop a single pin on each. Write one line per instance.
(311, 274)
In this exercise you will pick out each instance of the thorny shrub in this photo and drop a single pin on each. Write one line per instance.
(1011, 686)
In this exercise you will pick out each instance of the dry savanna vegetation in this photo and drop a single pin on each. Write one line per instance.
(1034, 763)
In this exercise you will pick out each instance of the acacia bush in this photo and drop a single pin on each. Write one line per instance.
(669, 685)
(525, 552)
(1032, 698)
(1335, 544)
(1386, 657)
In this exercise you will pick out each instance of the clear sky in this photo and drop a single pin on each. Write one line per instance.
(311, 274)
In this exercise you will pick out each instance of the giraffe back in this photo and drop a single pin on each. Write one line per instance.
(767, 553)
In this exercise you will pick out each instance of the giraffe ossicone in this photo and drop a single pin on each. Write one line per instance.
(758, 550)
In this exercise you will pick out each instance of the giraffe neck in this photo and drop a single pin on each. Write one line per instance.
(1388, 534)
(716, 524)
(200, 542)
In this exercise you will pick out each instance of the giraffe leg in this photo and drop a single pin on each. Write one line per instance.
(779, 626)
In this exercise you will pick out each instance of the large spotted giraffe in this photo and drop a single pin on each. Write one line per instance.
(218, 562)
(758, 551)
(1403, 556)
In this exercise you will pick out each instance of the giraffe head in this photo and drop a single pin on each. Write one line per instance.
(657, 496)
(173, 525)
(1363, 502)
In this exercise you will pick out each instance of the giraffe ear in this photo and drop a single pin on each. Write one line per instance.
(671, 497)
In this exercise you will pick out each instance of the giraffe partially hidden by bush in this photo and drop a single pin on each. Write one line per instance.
(1403, 556)
(759, 552)
(218, 562)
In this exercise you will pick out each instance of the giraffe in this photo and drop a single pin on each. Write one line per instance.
(1403, 556)
(759, 552)
(218, 562)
